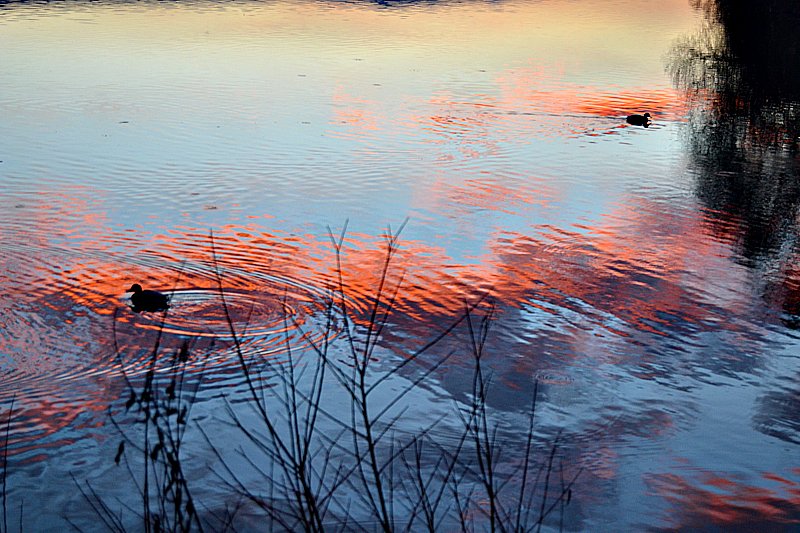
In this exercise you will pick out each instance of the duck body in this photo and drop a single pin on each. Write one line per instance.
(639, 120)
(147, 300)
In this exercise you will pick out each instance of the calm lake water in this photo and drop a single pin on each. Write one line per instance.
(647, 278)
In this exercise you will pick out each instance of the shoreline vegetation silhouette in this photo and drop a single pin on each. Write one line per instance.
(315, 442)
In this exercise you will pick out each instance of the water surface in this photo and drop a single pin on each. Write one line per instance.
(646, 277)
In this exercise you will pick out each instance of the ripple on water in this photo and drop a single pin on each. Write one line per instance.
(68, 334)
(277, 315)
(201, 312)
(281, 314)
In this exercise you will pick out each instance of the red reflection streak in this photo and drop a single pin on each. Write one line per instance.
(34, 418)
(604, 462)
(361, 117)
(544, 90)
(727, 502)
(473, 127)
(618, 269)
(621, 269)
(477, 126)
(633, 265)
(501, 195)
(527, 84)
(664, 104)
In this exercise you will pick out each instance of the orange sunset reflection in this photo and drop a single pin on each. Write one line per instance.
(730, 503)
(634, 275)
(644, 271)
(545, 92)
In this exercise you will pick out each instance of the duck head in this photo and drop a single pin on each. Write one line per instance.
(135, 288)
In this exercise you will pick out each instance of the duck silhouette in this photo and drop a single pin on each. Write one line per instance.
(147, 300)
(639, 120)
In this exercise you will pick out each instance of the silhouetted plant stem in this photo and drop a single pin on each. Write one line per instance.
(293, 455)
(484, 439)
(164, 408)
(547, 484)
(357, 469)
(526, 461)
(5, 464)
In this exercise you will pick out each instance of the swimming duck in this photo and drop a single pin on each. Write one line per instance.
(639, 120)
(147, 300)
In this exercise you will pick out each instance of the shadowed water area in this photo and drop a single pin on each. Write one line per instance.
(646, 278)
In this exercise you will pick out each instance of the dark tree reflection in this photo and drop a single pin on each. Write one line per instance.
(742, 71)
